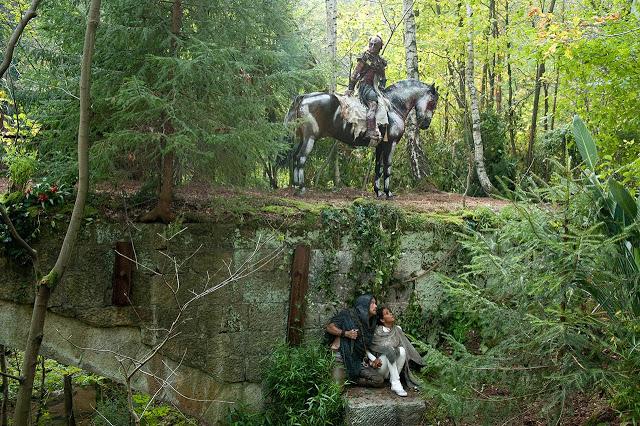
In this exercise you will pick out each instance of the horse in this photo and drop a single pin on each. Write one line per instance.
(317, 115)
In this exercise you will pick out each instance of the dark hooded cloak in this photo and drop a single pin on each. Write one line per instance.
(354, 351)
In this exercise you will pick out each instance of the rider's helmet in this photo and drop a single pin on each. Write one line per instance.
(375, 44)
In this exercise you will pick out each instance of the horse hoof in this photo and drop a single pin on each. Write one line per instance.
(390, 195)
(300, 191)
(378, 194)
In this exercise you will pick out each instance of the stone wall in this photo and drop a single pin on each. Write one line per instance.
(221, 341)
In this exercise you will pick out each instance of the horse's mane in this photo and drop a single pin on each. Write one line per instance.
(392, 92)
(410, 82)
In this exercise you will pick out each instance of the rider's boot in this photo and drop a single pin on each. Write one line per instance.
(373, 134)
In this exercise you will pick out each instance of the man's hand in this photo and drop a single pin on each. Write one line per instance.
(348, 92)
(351, 334)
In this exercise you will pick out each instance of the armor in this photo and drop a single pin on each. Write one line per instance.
(370, 67)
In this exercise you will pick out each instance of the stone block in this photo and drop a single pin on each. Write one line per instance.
(319, 314)
(400, 292)
(422, 241)
(211, 262)
(228, 369)
(191, 348)
(264, 288)
(262, 342)
(382, 407)
(340, 261)
(254, 368)
(429, 292)
(268, 316)
(108, 316)
(409, 263)
(233, 318)
(262, 260)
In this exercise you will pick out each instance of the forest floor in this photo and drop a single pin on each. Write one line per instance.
(195, 194)
(204, 198)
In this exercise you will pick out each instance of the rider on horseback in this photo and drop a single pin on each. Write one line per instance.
(370, 68)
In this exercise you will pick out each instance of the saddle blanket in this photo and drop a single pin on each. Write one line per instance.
(354, 112)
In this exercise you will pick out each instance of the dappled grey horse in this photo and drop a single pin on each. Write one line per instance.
(319, 115)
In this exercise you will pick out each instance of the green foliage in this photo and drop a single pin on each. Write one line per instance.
(40, 205)
(548, 304)
(499, 163)
(619, 209)
(21, 163)
(300, 388)
(214, 94)
(376, 231)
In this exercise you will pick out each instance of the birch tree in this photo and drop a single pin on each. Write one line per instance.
(332, 48)
(417, 159)
(478, 149)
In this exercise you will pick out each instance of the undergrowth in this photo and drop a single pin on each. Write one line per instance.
(544, 311)
(299, 390)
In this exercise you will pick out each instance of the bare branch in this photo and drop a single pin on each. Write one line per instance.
(11, 376)
(22, 243)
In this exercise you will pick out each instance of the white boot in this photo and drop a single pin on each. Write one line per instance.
(396, 386)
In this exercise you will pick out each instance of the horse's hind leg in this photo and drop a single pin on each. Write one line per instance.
(301, 158)
(379, 169)
(388, 149)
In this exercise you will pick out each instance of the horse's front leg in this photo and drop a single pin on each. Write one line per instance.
(387, 157)
(301, 159)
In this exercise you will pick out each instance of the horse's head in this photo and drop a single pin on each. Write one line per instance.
(426, 105)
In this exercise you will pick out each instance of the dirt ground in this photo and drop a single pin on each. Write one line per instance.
(196, 194)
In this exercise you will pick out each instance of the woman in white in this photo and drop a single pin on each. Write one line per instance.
(391, 351)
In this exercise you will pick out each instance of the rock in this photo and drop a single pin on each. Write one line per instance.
(382, 407)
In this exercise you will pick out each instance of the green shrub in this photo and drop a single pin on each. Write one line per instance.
(40, 204)
(22, 164)
(300, 387)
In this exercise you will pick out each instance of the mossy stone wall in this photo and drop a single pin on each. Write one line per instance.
(222, 339)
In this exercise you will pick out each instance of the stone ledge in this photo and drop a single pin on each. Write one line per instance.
(382, 407)
(108, 316)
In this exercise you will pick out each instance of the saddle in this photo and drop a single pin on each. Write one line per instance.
(355, 112)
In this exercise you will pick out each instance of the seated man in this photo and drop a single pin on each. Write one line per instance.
(351, 332)
(369, 70)
(391, 351)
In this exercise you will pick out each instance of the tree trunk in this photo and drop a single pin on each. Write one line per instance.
(331, 8)
(43, 377)
(475, 115)
(536, 102)
(5, 387)
(555, 97)
(68, 401)
(545, 118)
(483, 88)
(417, 159)
(47, 283)
(510, 121)
(162, 212)
(493, 96)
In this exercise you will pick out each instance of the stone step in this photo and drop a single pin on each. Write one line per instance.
(382, 407)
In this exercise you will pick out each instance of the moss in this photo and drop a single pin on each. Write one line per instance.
(281, 210)
(50, 280)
